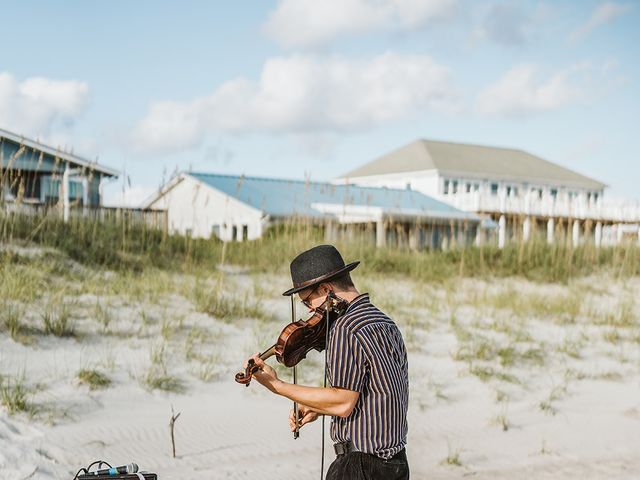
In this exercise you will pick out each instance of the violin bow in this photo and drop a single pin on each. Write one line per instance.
(296, 432)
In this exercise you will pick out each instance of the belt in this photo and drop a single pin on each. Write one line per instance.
(342, 448)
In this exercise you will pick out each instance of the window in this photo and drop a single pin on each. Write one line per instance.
(245, 232)
(234, 233)
(554, 193)
(446, 187)
(467, 187)
(455, 186)
(494, 189)
(508, 190)
(215, 231)
(476, 187)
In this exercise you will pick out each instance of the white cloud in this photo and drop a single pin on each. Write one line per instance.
(302, 93)
(521, 91)
(605, 13)
(313, 22)
(33, 106)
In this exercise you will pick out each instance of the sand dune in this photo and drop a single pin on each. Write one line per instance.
(566, 416)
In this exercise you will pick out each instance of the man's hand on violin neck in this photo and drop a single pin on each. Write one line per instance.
(267, 376)
(305, 415)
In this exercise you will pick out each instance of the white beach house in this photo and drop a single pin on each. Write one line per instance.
(518, 190)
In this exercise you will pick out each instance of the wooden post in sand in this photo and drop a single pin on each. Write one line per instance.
(172, 423)
(502, 231)
(598, 234)
(381, 233)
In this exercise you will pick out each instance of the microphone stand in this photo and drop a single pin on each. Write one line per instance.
(296, 432)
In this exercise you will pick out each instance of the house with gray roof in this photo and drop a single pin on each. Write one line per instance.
(516, 189)
(470, 165)
(238, 207)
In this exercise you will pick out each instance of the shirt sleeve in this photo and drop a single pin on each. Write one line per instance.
(347, 360)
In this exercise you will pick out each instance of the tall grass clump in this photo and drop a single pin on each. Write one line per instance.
(14, 396)
(213, 301)
(23, 279)
(102, 314)
(157, 376)
(56, 318)
(623, 316)
(93, 379)
(11, 321)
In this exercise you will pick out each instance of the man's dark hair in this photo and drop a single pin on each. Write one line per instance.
(343, 282)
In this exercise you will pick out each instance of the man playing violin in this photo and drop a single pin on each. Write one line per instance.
(367, 371)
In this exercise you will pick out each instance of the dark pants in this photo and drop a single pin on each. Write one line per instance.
(363, 466)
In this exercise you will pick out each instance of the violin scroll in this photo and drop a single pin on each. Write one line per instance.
(245, 377)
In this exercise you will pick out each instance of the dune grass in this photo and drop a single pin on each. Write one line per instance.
(133, 247)
(156, 380)
(157, 376)
(453, 456)
(14, 395)
(94, 379)
(210, 298)
(57, 319)
(11, 321)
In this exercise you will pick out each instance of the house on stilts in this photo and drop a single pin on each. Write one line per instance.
(524, 194)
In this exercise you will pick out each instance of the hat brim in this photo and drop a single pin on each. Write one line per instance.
(324, 278)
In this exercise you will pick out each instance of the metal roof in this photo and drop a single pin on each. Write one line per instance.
(57, 153)
(475, 160)
(282, 198)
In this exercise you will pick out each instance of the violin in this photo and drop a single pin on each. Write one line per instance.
(300, 337)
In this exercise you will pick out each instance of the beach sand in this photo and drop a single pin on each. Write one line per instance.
(498, 389)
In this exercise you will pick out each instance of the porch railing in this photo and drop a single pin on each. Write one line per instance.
(603, 209)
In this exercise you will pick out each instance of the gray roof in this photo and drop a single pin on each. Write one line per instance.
(57, 153)
(284, 198)
(475, 160)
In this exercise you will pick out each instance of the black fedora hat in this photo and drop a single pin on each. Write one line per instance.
(316, 265)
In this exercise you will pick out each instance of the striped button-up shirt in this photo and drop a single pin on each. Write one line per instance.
(366, 354)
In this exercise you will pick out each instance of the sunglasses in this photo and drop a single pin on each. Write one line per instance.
(306, 301)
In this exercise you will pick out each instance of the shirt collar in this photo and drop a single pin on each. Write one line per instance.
(359, 301)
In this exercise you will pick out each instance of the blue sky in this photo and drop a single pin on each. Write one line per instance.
(308, 89)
